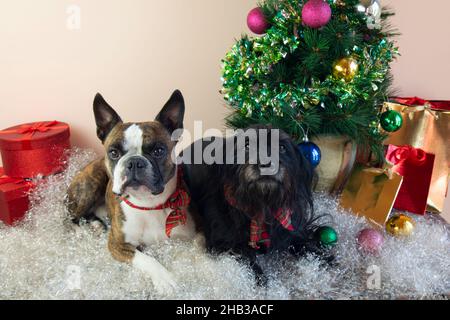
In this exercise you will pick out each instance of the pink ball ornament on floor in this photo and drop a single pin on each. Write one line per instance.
(370, 240)
(257, 21)
(316, 13)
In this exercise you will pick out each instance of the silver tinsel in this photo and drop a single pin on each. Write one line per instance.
(45, 257)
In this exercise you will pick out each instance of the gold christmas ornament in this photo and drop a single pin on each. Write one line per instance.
(400, 225)
(345, 69)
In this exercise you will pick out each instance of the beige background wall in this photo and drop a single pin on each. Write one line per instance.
(136, 52)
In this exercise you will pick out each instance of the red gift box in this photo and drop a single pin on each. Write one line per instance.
(34, 148)
(416, 167)
(14, 201)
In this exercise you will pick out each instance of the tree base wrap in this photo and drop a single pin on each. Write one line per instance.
(416, 167)
(426, 125)
(338, 158)
(14, 201)
(371, 192)
(34, 149)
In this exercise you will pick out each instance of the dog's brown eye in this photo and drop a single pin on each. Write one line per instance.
(159, 152)
(114, 154)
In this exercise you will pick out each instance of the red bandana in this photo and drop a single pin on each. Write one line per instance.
(178, 202)
(258, 229)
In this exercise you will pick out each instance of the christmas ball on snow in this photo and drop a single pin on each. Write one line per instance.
(391, 121)
(311, 152)
(400, 225)
(316, 13)
(257, 21)
(370, 240)
(327, 236)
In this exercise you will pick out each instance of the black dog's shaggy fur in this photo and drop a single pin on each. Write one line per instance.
(227, 228)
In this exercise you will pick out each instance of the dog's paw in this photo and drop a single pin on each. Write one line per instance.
(164, 282)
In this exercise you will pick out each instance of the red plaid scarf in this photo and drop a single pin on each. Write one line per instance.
(258, 228)
(178, 202)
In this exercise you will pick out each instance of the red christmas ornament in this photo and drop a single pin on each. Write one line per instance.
(316, 13)
(257, 22)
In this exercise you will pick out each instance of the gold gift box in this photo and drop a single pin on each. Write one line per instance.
(428, 129)
(371, 193)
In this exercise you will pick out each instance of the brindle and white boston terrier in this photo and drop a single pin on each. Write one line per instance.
(146, 199)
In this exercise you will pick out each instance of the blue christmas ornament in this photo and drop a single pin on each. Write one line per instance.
(311, 152)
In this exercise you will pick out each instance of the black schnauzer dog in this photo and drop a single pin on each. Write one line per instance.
(247, 212)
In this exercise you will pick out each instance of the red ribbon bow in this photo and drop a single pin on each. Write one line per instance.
(258, 228)
(31, 129)
(178, 202)
(407, 154)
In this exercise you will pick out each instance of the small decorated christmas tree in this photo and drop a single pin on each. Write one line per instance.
(318, 67)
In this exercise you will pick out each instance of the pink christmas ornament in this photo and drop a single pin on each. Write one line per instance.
(370, 240)
(257, 22)
(316, 13)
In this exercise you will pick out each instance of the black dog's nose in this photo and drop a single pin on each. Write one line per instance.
(135, 163)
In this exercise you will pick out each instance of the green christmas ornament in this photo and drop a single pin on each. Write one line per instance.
(391, 121)
(327, 236)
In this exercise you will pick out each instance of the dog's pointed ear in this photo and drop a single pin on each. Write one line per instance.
(172, 114)
(105, 117)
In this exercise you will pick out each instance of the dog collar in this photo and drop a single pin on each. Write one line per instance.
(258, 228)
(178, 202)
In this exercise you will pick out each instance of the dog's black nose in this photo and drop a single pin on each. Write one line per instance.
(135, 163)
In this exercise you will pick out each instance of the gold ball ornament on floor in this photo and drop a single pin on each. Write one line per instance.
(400, 225)
(345, 69)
